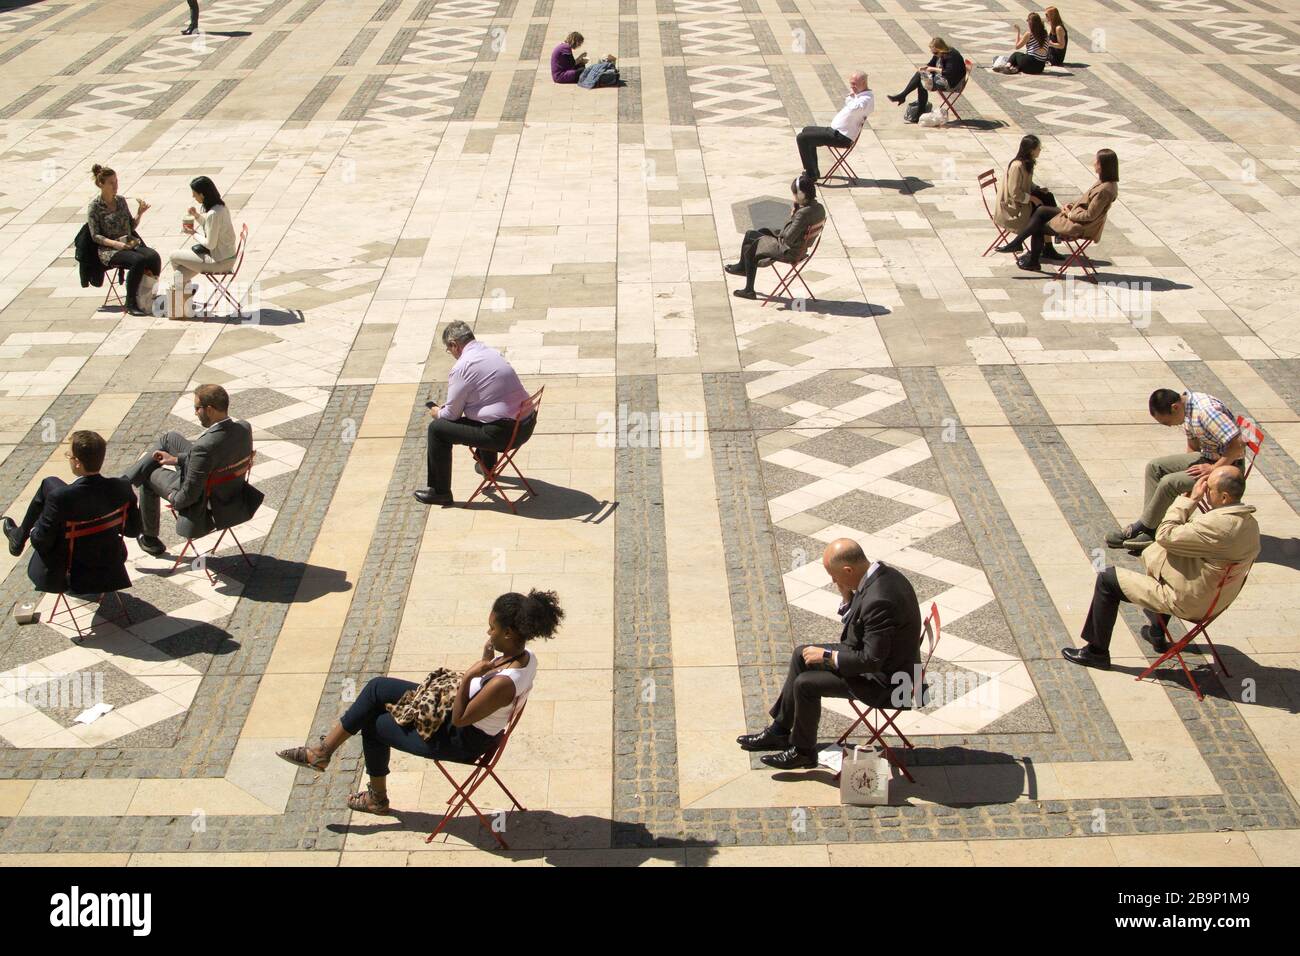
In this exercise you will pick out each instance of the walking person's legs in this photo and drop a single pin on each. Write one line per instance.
(194, 18)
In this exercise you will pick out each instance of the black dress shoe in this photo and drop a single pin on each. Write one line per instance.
(1029, 263)
(1013, 246)
(764, 740)
(427, 496)
(734, 269)
(745, 294)
(1156, 638)
(1049, 253)
(15, 536)
(189, 31)
(792, 759)
(1087, 657)
(150, 545)
(897, 100)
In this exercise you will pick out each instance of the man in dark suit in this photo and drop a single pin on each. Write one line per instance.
(99, 560)
(223, 442)
(878, 653)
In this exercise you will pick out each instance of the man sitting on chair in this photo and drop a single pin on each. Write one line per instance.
(1183, 567)
(484, 396)
(880, 647)
(844, 129)
(99, 560)
(177, 469)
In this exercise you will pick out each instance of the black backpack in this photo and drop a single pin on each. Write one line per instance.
(913, 112)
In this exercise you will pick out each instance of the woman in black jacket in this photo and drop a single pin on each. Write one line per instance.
(946, 70)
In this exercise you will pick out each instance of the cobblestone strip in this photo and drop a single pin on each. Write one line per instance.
(646, 803)
(1230, 750)
(38, 444)
(1283, 376)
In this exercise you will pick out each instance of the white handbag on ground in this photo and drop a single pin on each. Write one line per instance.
(144, 295)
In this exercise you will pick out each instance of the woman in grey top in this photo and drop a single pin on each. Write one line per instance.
(112, 227)
(215, 251)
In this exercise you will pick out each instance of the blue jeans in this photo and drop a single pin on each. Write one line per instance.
(380, 733)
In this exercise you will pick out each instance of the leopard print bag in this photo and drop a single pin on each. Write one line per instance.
(428, 705)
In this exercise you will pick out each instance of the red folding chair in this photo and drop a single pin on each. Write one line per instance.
(841, 155)
(950, 97)
(989, 179)
(484, 767)
(113, 275)
(73, 531)
(812, 239)
(238, 470)
(1252, 436)
(878, 719)
(492, 476)
(222, 282)
(1077, 256)
(1202, 629)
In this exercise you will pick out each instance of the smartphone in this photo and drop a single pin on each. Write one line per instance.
(430, 404)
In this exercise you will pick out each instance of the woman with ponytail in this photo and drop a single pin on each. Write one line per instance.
(465, 721)
(788, 245)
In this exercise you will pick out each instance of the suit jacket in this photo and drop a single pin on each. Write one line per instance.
(1014, 208)
(881, 636)
(1087, 217)
(232, 502)
(98, 561)
(1187, 561)
(790, 244)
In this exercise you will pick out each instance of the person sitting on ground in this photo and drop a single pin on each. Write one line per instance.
(879, 651)
(1058, 35)
(788, 245)
(945, 71)
(177, 469)
(113, 230)
(565, 67)
(98, 560)
(216, 250)
(461, 726)
(1082, 219)
(1018, 197)
(1213, 439)
(1184, 567)
(484, 398)
(844, 129)
(1036, 43)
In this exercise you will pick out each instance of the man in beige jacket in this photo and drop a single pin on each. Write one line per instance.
(1183, 568)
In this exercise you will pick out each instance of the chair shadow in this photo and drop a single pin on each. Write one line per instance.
(539, 834)
(548, 502)
(269, 579)
(980, 124)
(1277, 688)
(864, 310)
(205, 637)
(1281, 551)
(910, 184)
(269, 317)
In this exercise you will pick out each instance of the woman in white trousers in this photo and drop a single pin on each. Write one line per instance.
(215, 231)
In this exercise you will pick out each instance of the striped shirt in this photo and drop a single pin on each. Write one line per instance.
(1035, 49)
(1208, 423)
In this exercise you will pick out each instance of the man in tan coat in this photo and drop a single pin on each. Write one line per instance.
(1184, 567)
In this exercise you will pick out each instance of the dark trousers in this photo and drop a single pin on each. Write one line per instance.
(799, 708)
(914, 85)
(43, 491)
(749, 254)
(1026, 63)
(194, 14)
(812, 137)
(156, 482)
(136, 262)
(1036, 230)
(1106, 599)
(380, 733)
(488, 437)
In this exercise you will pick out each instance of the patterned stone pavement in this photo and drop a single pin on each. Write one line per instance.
(404, 163)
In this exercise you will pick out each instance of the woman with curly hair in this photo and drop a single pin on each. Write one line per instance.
(482, 705)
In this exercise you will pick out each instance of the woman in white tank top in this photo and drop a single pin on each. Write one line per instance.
(486, 697)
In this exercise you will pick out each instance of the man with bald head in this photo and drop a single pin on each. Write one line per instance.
(1184, 567)
(845, 127)
(879, 647)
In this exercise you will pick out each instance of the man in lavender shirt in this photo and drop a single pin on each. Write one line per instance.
(484, 396)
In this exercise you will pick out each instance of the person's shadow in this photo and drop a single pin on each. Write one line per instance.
(546, 502)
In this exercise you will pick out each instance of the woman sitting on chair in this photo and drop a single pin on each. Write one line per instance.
(112, 228)
(1018, 197)
(484, 701)
(1081, 219)
(788, 245)
(215, 252)
(945, 71)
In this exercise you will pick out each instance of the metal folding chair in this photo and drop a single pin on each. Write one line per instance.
(114, 275)
(1201, 629)
(484, 768)
(1252, 436)
(73, 531)
(879, 719)
(812, 239)
(950, 97)
(223, 282)
(492, 476)
(1077, 256)
(841, 155)
(989, 180)
(238, 470)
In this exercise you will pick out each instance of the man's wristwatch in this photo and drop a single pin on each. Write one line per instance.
(828, 658)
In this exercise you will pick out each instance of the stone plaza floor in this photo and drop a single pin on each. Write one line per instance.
(404, 163)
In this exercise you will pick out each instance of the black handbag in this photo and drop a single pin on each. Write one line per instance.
(913, 112)
(201, 250)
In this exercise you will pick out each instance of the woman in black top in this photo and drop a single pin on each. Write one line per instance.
(946, 69)
(112, 228)
(1058, 34)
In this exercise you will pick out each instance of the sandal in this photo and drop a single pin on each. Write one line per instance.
(367, 801)
(301, 757)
